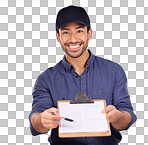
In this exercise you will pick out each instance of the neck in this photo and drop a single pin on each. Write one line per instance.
(79, 63)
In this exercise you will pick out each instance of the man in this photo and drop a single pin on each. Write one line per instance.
(80, 71)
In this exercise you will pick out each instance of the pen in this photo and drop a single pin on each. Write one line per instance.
(65, 118)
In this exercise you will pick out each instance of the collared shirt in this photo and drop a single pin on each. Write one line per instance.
(101, 79)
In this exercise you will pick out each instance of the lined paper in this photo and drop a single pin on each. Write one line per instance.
(87, 117)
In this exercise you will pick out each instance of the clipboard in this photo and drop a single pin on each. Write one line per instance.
(82, 98)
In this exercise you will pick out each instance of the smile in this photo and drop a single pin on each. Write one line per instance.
(74, 46)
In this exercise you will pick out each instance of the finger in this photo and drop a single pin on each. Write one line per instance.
(48, 120)
(51, 124)
(108, 109)
(54, 111)
(103, 111)
(110, 115)
(52, 117)
(51, 110)
(55, 118)
(48, 116)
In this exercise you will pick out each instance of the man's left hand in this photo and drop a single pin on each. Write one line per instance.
(114, 115)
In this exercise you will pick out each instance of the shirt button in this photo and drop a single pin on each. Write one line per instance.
(76, 76)
(102, 92)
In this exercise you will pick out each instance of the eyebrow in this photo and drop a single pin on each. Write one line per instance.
(80, 27)
(64, 28)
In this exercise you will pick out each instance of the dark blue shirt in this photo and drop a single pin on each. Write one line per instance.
(101, 79)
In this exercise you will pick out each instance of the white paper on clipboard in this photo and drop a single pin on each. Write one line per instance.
(87, 117)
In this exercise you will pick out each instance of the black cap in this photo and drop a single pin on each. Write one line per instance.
(72, 14)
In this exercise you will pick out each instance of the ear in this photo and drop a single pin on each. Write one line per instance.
(90, 34)
(58, 37)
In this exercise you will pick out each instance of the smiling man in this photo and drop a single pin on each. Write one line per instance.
(74, 38)
(80, 71)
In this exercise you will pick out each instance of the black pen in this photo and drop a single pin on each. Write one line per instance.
(65, 118)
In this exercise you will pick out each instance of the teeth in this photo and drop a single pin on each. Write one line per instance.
(74, 46)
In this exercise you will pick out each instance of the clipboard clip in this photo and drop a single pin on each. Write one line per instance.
(81, 97)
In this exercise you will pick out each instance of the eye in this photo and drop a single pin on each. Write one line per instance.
(65, 32)
(80, 31)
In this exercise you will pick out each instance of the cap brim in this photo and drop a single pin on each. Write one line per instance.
(70, 22)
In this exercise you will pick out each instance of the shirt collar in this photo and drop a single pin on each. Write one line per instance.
(89, 63)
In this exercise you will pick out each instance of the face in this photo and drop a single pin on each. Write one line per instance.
(74, 38)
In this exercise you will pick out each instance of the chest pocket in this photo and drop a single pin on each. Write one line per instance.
(102, 94)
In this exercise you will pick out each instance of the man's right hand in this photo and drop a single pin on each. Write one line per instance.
(50, 121)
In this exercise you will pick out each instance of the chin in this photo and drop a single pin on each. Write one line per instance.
(76, 55)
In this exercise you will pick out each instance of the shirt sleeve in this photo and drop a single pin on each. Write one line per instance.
(41, 100)
(121, 97)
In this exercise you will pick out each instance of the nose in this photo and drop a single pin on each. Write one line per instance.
(73, 37)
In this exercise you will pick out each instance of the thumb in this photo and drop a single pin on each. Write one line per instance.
(54, 111)
(108, 109)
